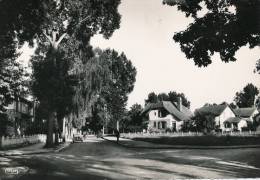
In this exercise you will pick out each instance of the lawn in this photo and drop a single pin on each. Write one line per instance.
(207, 140)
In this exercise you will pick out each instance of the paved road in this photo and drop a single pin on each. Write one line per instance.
(100, 159)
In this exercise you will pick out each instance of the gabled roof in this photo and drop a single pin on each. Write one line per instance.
(244, 112)
(172, 109)
(215, 110)
(185, 110)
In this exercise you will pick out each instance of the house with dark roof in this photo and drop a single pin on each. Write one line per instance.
(167, 115)
(249, 115)
(220, 114)
(228, 119)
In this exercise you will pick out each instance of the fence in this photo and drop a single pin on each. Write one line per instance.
(17, 141)
(239, 133)
(133, 135)
(179, 134)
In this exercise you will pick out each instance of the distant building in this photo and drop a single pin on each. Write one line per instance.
(22, 112)
(249, 115)
(227, 119)
(166, 115)
(219, 113)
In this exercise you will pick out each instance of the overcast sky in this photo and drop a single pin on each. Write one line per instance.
(145, 36)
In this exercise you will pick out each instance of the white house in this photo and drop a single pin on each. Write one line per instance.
(228, 119)
(166, 115)
(220, 113)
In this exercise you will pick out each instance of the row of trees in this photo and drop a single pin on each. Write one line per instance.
(67, 74)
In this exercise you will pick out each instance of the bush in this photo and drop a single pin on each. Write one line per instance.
(133, 128)
(153, 130)
(169, 130)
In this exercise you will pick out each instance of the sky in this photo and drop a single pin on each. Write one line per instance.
(145, 36)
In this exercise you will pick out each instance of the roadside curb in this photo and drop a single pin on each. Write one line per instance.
(43, 151)
(161, 146)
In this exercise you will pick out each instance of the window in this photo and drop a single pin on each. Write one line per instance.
(155, 113)
(159, 114)
(227, 125)
(154, 124)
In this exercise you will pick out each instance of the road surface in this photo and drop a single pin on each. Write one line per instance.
(100, 159)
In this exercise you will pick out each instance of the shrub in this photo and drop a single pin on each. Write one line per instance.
(169, 130)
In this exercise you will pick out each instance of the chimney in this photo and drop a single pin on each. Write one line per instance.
(179, 104)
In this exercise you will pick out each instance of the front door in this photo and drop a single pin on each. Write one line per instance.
(173, 126)
(163, 125)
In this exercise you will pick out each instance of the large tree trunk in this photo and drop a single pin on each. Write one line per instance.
(57, 129)
(49, 141)
(56, 138)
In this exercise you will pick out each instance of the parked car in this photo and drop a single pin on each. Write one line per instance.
(77, 138)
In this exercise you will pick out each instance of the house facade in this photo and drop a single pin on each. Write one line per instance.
(164, 116)
(22, 112)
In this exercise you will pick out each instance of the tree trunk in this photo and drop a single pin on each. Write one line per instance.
(57, 129)
(49, 141)
(56, 138)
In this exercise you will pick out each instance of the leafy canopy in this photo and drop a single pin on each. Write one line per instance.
(226, 26)
(247, 97)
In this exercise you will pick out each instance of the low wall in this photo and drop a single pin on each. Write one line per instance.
(18, 141)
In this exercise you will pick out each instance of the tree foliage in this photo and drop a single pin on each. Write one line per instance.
(27, 20)
(220, 30)
(120, 84)
(107, 79)
(152, 98)
(171, 96)
(51, 83)
(246, 97)
(59, 27)
(203, 122)
(134, 121)
(12, 82)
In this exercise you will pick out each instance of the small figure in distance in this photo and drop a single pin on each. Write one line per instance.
(117, 135)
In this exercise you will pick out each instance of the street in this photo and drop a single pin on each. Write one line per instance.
(101, 159)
